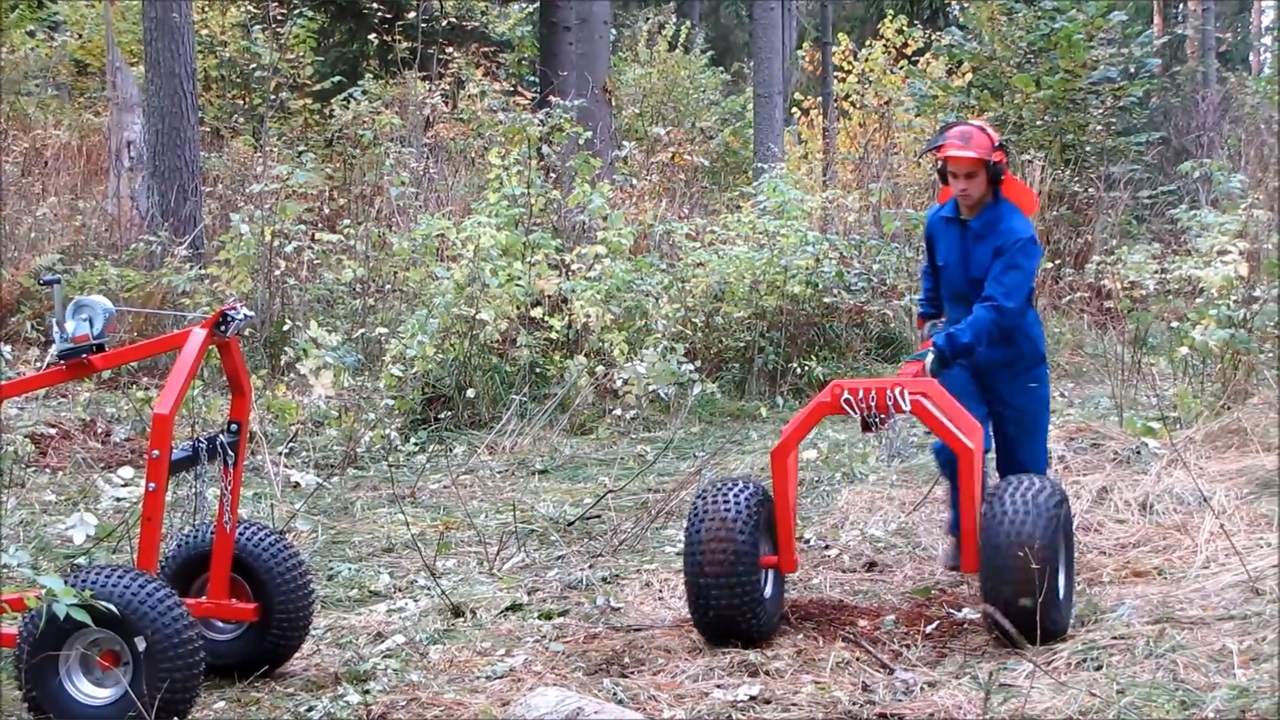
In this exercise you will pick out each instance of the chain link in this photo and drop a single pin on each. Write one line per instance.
(864, 408)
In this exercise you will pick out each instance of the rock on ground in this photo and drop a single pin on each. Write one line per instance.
(555, 703)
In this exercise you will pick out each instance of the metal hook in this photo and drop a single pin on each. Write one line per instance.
(903, 398)
(846, 402)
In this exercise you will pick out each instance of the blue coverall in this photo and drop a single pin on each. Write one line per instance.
(979, 274)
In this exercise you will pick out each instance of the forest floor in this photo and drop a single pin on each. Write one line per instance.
(1176, 541)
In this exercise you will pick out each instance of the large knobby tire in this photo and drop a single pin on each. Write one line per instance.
(146, 661)
(1028, 565)
(732, 600)
(265, 569)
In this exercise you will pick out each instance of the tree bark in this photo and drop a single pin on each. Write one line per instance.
(573, 65)
(1209, 50)
(768, 78)
(1209, 29)
(1193, 34)
(790, 28)
(126, 139)
(1157, 28)
(1255, 49)
(828, 94)
(173, 125)
(688, 20)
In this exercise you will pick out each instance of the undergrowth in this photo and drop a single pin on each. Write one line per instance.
(404, 245)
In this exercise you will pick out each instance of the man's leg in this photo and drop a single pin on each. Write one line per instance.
(961, 384)
(1019, 409)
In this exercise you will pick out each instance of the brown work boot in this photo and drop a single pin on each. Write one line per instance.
(950, 555)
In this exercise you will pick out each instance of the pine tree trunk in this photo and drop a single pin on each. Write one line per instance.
(574, 59)
(1157, 25)
(688, 21)
(1209, 49)
(767, 78)
(1255, 52)
(173, 125)
(828, 94)
(1193, 34)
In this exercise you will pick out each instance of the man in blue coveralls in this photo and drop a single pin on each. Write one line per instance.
(977, 303)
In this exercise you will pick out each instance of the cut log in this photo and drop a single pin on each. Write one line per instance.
(556, 703)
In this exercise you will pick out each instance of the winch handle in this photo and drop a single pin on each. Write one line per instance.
(55, 281)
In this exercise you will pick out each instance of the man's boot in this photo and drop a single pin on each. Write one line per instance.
(950, 555)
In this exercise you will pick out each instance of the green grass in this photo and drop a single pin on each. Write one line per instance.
(455, 577)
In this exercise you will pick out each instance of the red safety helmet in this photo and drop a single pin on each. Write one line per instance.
(969, 139)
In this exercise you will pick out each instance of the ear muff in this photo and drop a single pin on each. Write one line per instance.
(996, 166)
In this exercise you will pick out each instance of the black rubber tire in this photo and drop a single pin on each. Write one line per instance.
(726, 527)
(277, 577)
(1026, 536)
(162, 639)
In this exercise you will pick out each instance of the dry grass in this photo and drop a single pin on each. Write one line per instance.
(1176, 605)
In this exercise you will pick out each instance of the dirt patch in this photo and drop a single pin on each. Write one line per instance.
(92, 442)
(937, 624)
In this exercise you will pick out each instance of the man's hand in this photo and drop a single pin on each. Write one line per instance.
(931, 328)
(933, 363)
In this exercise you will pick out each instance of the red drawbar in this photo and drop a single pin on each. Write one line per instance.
(192, 343)
(224, 610)
(909, 392)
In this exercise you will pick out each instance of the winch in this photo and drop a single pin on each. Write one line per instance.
(83, 327)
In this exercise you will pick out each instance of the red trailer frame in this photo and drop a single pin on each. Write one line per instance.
(219, 330)
(911, 391)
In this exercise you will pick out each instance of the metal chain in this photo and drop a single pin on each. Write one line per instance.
(198, 482)
(864, 407)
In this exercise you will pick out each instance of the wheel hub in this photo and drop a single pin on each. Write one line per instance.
(213, 628)
(767, 575)
(1062, 565)
(95, 666)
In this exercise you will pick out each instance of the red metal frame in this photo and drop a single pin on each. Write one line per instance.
(929, 401)
(192, 343)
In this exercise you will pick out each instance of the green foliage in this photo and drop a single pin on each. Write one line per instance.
(675, 105)
(519, 313)
(1209, 307)
(1069, 84)
(403, 244)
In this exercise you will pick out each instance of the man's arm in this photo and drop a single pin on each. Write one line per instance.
(1010, 284)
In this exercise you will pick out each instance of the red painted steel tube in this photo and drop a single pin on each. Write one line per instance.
(928, 400)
